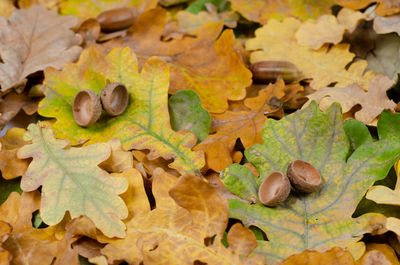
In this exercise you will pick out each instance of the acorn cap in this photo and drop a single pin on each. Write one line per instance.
(114, 98)
(86, 108)
(274, 189)
(304, 176)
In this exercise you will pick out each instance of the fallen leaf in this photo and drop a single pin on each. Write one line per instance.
(206, 64)
(119, 159)
(384, 58)
(144, 124)
(354, 4)
(378, 254)
(334, 256)
(322, 219)
(8, 186)
(384, 7)
(177, 231)
(372, 102)
(10, 165)
(186, 113)
(43, 42)
(316, 33)
(384, 25)
(76, 185)
(27, 245)
(49, 4)
(241, 240)
(246, 125)
(90, 9)
(350, 19)
(262, 10)
(275, 41)
(13, 103)
(6, 8)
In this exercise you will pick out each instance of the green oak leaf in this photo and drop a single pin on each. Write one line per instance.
(186, 113)
(388, 125)
(72, 181)
(357, 132)
(321, 219)
(8, 186)
(145, 124)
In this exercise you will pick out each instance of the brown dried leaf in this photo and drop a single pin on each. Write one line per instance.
(243, 124)
(384, 25)
(334, 256)
(372, 102)
(29, 44)
(378, 254)
(10, 165)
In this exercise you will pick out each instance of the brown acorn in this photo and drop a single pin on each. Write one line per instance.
(116, 19)
(270, 71)
(304, 176)
(86, 108)
(274, 189)
(114, 98)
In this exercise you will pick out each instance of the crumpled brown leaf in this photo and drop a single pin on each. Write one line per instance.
(372, 102)
(33, 39)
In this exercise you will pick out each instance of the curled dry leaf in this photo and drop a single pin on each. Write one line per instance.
(180, 227)
(10, 165)
(82, 188)
(276, 41)
(372, 102)
(315, 33)
(28, 44)
(245, 124)
(206, 64)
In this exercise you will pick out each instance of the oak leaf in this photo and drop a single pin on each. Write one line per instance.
(144, 124)
(29, 44)
(90, 9)
(372, 102)
(206, 64)
(322, 219)
(188, 213)
(262, 10)
(275, 41)
(384, 7)
(333, 256)
(72, 181)
(384, 25)
(119, 159)
(378, 254)
(6, 8)
(244, 124)
(10, 165)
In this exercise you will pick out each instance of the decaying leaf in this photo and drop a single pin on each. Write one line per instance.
(315, 33)
(276, 41)
(246, 125)
(334, 256)
(144, 124)
(372, 102)
(29, 44)
(206, 64)
(72, 181)
(322, 219)
(90, 9)
(262, 10)
(186, 113)
(179, 230)
(384, 58)
(10, 165)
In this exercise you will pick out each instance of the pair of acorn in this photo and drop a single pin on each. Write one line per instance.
(87, 105)
(276, 187)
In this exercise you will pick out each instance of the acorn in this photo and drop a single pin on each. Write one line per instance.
(274, 189)
(304, 176)
(270, 71)
(116, 19)
(114, 98)
(86, 108)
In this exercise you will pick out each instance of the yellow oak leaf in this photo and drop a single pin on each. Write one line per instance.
(188, 213)
(315, 33)
(144, 124)
(10, 165)
(276, 41)
(204, 63)
(262, 10)
(119, 159)
(333, 256)
(72, 181)
(91, 8)
(379, 254)
(350, 19)
(243, 124)
(6, 8)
